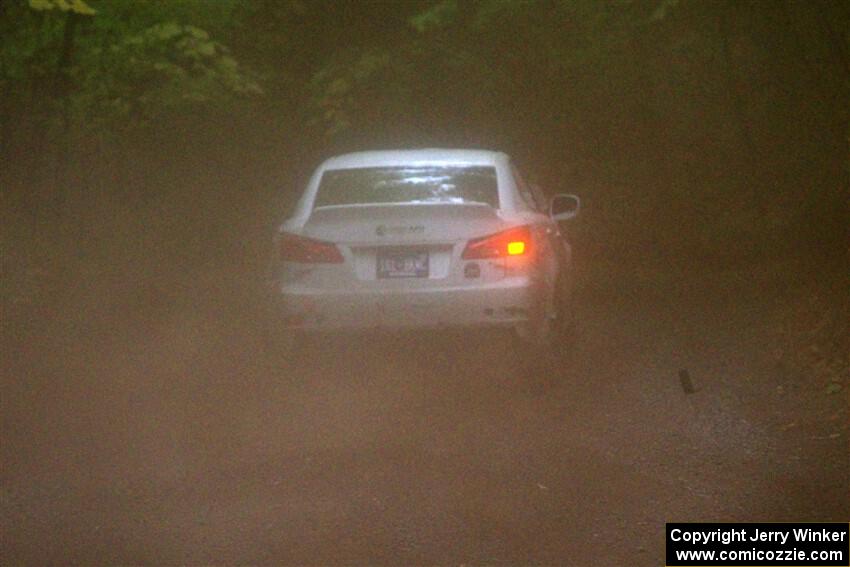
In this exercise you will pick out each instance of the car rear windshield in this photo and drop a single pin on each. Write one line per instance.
(421, 184)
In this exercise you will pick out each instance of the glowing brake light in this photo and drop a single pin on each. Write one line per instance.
(516, 248)
(295, 248)
(512, 242)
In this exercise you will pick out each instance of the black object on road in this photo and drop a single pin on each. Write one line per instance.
(687, 384)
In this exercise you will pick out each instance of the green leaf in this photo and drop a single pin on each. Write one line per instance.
(338, 86)
(76, 6)
(197, 32)
(207, 48)
(166, 31)
(663, 8)
(436, 16)
(80, 7)
(41, 5)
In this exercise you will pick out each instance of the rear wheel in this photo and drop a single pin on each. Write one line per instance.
(537, 344)
(539, 331)
(546, 339)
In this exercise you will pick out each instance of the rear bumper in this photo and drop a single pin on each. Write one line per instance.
(505, 303)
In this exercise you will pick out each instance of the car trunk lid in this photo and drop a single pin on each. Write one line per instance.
(401, 224)
(412, 242)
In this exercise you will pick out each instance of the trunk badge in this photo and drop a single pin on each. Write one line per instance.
(383, 230)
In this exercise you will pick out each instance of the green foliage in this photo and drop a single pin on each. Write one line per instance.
(165, 68)
(663, 9)
(713, 112)
(344, 92)
(126, 64)
(75, 6)
(29, 54)
(489, 53)
(437, 16)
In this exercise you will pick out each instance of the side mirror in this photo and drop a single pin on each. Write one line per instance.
(564, 207)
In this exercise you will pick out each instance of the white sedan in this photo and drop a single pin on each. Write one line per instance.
(425, 238)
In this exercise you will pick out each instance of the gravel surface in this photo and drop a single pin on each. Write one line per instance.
(145, 426)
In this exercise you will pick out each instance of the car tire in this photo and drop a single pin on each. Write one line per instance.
(545, 344)
(536, 344)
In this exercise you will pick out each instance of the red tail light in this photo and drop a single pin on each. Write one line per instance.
(307, 250)
(512, 242)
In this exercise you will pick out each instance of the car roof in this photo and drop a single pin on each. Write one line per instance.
(426, 156)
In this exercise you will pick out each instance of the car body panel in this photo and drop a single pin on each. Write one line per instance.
(402, 263)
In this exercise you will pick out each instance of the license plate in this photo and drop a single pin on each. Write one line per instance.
(402, 264)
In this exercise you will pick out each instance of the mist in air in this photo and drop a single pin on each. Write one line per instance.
(149, 152)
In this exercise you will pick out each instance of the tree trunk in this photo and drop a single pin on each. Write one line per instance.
(733, 86)
(63, 90)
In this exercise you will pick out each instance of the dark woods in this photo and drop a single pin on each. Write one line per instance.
(695, 130)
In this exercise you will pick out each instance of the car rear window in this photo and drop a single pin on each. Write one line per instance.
(422, 184)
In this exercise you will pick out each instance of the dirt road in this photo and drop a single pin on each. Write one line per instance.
(153, 428)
